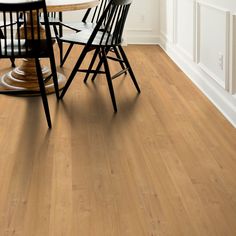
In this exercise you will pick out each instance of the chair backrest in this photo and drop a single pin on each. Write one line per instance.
(1, 26)
(22, 30)
(111, 23)
(1, 33)
(93, 14)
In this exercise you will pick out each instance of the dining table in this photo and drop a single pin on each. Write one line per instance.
(24, 77)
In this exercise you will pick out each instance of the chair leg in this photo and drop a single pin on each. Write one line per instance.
(91, 64)
(66, 54)
(74, 71)
(43, 92)
(108, 77)
(116, 51)
(99, 66)
(60, 35)
(13, 62)
(54, 75)
(97, 69)
(59, 42)
(60, 46)
(129, 68)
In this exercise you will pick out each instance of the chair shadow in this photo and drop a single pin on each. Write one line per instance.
(31, 131)
(99, 105)
(32, 163)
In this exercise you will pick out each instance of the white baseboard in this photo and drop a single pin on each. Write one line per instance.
(223, 100)
(141, 39)
(141, 36)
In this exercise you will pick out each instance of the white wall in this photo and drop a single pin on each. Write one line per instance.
(143, 22)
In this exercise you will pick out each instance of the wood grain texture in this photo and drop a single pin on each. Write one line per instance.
(70, 5)
(62, 5)
(164, 165)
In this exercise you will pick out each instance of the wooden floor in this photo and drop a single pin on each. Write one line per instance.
(164, 165)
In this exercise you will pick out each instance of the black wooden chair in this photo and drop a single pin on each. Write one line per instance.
(107, 34)
(89, 21)
(25, 40)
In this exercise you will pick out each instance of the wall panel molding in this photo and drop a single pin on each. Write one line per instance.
(224, 82)
(175, 21)
(232, 65)
(178, 6)
(167, 19)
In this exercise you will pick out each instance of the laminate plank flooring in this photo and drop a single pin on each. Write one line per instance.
(164, 165)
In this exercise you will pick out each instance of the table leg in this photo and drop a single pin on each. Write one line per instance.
(24, 77)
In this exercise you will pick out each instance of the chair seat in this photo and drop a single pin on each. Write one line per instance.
(83, 36)
(79, 26)
(40, 48)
